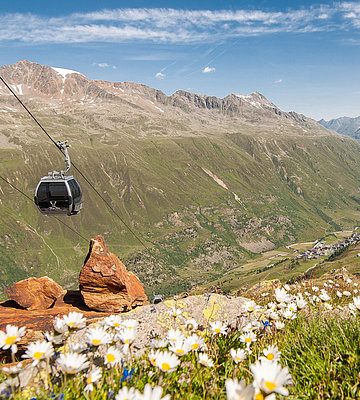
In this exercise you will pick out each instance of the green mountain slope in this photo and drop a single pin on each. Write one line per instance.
(205, 189)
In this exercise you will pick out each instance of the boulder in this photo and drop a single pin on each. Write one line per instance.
(35, 293)
(105, 284)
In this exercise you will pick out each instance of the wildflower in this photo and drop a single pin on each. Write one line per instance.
(10, 337)
(204, 359)
(130, 324)
(352, 309)
(180, 347)
(288, 314)
(97, 336)
(356, 301)
(236, 390)
(77, 347)
(307, 294)
(325, 297)
(315, 289)
(238, 355)
(112, 321)
(282, 296)
(92, 376)
(74, 320)
(127, 336)
(51, 337)
(113, 356)
(338, 294)
(273, 315)
(155, 393)
(195, 342)
(301, 303)
(331, 281)
(173, 335)
(156, 343)
(346, 293)
(60, 325)
(127, 375)
(218, 328)
(39, 351)
(175, 312)
(72, 363)
(270, 377)
(292, 307)
(126, 393)
(191, 325)
(266, 294)
(279, 325)
(356, 284)
(249, 306)
(166, 361)
(267, 323)
(153, 354)
(271, 353)
(248, 338)
(328, 306)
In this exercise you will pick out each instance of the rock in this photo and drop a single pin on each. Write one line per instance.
(35, 293)
(105, 284)
(155, 320)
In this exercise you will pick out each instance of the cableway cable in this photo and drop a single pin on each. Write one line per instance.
(58, 219)
(76, 168)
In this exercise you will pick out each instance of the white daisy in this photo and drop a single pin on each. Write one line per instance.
(126, 393)
(92, 376)
(113, 356)
(166, 361)
(75, 320)
(204, 359)
(180, 347)
(39, 351)
(271, 353)
(72, 363)
(236, 390)
(218, 327)
(270, 377)
(155, 393)
(11, 336)
(96, 336)
(238, 355)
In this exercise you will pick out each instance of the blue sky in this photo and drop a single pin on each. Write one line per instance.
(303, 56)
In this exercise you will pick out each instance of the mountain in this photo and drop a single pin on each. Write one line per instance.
(204, 183)
(344, 125)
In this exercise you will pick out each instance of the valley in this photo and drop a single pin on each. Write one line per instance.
(211, 187)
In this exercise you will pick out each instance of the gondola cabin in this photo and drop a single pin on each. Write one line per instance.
(55, 195)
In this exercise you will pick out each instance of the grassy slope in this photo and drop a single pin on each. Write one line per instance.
(290, 187)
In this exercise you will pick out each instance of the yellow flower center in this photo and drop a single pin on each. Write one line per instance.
(116, 324)
(153, 361)
(71, 324)
(180, 351)
(110, 358)
(259, 396)
(195, 346)
(270, 385)
(88, 380)
(10, 339)
(96, 341)
(247, 340)
(270, 356)
(165, 366)
(250, 308)
(217, 330)
(38, 355)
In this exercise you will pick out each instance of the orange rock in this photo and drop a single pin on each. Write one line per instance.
(35, 293)
(105, 284)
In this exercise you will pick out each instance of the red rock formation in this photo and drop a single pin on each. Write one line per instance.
(35, 293)
(105, 283)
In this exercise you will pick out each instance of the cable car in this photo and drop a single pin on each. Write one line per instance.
(58, 194)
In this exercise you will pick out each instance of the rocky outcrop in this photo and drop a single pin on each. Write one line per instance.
(35, 293)
(105, 284)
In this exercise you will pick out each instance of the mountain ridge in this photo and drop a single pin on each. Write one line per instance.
(206, 183)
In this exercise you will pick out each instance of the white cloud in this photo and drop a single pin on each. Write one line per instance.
(160, 75)
(104, 65)
(206, 70)
(277, 82)
(161, 25)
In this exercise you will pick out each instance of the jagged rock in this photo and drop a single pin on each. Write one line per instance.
(35, 293)
(105, 284)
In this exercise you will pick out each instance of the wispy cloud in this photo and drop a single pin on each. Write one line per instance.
(206, 70)
(160, 75)
(175, 26)
(278, 81)
(105, 65)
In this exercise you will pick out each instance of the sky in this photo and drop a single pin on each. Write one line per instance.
(303, 56)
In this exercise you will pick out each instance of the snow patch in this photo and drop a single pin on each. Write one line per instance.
(63, 72)
(215, 178)
(17, 89)
(158, 108)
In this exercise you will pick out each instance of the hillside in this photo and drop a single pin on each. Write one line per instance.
(206, 183)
